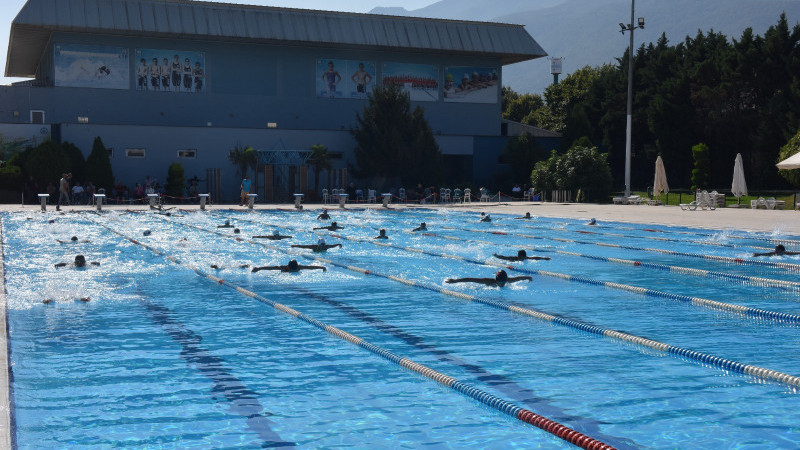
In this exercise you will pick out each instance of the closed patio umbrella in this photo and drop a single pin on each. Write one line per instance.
(792, 162)
(660, 181)
(739, 186)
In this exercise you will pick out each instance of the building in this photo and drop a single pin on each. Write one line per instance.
(176, 80)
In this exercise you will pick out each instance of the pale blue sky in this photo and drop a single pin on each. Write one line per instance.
(10, 8)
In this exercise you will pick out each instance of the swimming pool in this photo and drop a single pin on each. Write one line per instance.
(162, 357)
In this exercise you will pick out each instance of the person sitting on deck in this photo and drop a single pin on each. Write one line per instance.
(381, 235)
(421, 227)
(320, 246)
(217, 267)
(324, 215)
(292, 267)
(79, 262)
(526, 216)
(780, 250)
(275, 236)
(521, 256)
(227, 224)
(500, 279)
(332, 227)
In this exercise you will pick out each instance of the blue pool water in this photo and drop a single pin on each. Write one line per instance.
(161, 357)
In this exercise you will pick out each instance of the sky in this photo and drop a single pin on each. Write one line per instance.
(10, 8)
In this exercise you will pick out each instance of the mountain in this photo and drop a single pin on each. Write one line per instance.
(586, 32)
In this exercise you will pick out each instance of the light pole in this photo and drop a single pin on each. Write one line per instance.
(623, 28)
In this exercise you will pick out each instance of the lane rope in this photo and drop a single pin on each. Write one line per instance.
(508, 408)
(702, 357)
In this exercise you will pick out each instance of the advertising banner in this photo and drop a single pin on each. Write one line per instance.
(420, 81)
(91, 66)
(471, 84)
(338, 78)
(169, 70)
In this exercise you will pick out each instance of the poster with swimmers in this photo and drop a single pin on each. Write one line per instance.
(158, 70)
(337, 78)
(420, 81)
(91, 66)
(471, 84)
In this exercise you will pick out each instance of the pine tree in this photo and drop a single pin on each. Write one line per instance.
(98, 166)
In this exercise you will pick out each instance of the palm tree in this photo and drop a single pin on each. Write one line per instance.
(320, 159)
(243, 157)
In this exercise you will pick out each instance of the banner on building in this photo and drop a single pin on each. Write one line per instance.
(420, 81)
(91, 66)
(169, 70)
(338, 78)
(467, 84)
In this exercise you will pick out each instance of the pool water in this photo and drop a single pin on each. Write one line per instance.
(162, 357)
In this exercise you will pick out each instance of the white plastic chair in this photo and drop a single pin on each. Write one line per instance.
(467, 195)
(371, 196)
(457, 195)
(325, 196)
(402, 194)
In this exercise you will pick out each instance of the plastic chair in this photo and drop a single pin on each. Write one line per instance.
(370, 195)
(325, 196)
(402, 195)
(457, 195)
(467, 195)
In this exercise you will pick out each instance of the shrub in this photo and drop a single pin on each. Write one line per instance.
(46, 162)
(581, 168)
(175, 180)
(702, 165)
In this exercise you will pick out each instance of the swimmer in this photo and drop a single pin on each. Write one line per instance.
(421, 227)
(241, 266)
(71, 240)
(381, 235)
(780, 250)
(521, 256)
(500, 279)
(485, 217)
(332, 227)
(236, 231)
(526, 216)
(227, 224)
(275, 236)
(146, 232)
(292, 267)
(80, 261)
(591, 221)
(320, 246)
(324, 215)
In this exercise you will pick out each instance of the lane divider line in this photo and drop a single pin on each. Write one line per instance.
(524, 415)
(701, 233)
(706, 358)
(696, 301)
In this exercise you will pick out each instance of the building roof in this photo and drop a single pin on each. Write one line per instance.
(38, 19)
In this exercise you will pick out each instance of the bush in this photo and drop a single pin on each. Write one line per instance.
(98, 166)
(77, 164)
(175, 180)
(581, 168)
(702, 165)
(11, 178)
(46, 162)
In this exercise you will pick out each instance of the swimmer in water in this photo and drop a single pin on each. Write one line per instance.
(227, 224)
(275, 236)
(500, 279)
(381, 235)
(79, 262)
(780, 250)
(526, 216)
(421, 227)
(521, 256)
(485, 218)
(71, 240)
(241, 266)
(592, 221)
(292, 267)
(320, 246)
(324, 215)
(332, 227)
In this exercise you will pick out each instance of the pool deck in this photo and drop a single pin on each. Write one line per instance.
(783, 221)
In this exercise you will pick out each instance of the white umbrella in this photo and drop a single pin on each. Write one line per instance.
(792, 162)
(739, 186)
(660, 181)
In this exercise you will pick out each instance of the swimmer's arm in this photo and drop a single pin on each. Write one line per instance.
(486, 281)
(244, 266)
(335, 245)
(764, 254)
(61, 264)
(304, 246)
(791, 253)
(513, 279)
(94, 263)
(505, 258)
(537, 258)
(320, 228)
(256, 269)
(324, 269)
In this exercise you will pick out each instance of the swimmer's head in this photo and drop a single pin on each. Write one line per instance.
(527, 215)
(146, 232)
(227, 222)
(382, 232)
(73, 238)
(501, 277)
(51, 221)
(320, 241)
(275, 233)
(780, 249)
(293, 265)
(80, 261)
(483, 213)
(592, 221)
(422, 225)
(334, 224)
(236, 231)
(324, 211)
(522, 254)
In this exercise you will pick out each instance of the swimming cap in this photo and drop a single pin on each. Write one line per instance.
(146, 232)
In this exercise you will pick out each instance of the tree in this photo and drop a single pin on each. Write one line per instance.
(521, 154)
(791, 148)
(394, 142)
(243, 158)
(176, 181)
(46, 162)
(702, 165)
(98, 166)
(76, 161)
(320, 159)
(581, 168)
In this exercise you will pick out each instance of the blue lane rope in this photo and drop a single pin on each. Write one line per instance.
(722, 363)
(508, 408)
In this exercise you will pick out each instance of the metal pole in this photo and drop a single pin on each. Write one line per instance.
(629, 127)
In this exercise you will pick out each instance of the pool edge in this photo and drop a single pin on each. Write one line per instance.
(5, 369)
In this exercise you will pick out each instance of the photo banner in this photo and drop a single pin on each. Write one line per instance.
(337, 78)
(91, 66)
(420, 81)
(169, 70)
(466, 84)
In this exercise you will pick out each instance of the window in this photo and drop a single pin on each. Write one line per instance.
(37, 116)
(135, 152)
(187, 153)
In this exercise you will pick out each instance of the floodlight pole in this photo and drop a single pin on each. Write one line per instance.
(628, 129)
